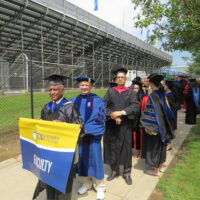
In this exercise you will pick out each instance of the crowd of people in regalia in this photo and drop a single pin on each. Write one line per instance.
(141, 117)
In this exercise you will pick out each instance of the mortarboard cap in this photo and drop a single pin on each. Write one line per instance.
(84, 78)
(123, 70)
(155, 78)
(56, 79)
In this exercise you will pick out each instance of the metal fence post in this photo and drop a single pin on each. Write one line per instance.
(31, 87)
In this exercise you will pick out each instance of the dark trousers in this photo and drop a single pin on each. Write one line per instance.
(52, 193)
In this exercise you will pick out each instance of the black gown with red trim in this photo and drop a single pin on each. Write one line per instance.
(118, 138)
(138, 132)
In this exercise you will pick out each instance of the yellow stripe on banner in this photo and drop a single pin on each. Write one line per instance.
(49, 133)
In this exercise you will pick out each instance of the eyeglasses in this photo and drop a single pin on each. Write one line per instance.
(122, 77)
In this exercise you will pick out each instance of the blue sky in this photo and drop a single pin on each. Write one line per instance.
(177, 60)
(120, 13)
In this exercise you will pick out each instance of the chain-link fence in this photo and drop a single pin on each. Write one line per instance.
(14, 100)
(23, 90)
(44, 37)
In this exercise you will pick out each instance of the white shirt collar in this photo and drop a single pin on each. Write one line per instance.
(57, 102)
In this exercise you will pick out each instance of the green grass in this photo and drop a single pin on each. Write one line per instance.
(183, 181)
(196, 129)
(12, 107)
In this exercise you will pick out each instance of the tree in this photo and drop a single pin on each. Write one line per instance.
(194, 66)
(175, 22)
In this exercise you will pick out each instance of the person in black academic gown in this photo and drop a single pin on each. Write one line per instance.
(156, 125)
(172, 98)
(121, 109)
(191, 109)
(137, 132)
(59, 109)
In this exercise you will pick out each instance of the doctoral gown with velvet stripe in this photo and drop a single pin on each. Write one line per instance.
(92, 110)
(155, 118)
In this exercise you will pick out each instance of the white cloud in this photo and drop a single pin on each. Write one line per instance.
(120, 13)
(117, 12)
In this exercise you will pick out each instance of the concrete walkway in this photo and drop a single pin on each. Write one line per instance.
(19, 184)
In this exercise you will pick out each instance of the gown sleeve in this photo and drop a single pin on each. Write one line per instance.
(95, 125)
(45, 113)
(133, 109)
(42, 113)
(107, 103)
(72, 114)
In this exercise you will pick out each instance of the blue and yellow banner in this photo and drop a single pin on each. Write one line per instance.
(48, 149)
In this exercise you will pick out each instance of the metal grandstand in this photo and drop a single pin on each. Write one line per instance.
(59, 37)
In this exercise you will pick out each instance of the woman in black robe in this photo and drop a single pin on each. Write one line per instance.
(191, 109)
(137, 132)
(172, 98)
(121, 109)
(155, 122)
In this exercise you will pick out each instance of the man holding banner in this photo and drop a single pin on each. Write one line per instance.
(60, 110)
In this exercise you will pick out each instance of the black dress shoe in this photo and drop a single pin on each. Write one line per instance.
(127, 179)
(112, 176)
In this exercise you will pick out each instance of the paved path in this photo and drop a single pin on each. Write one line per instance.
(19, 184)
